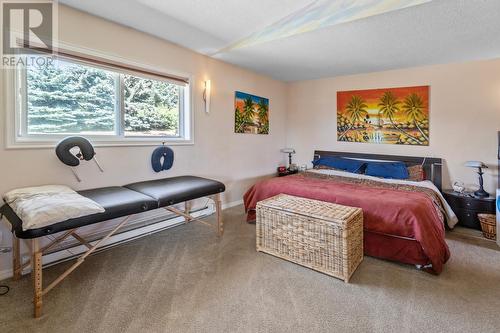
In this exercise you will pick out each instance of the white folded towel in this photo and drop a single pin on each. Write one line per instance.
(41, 206)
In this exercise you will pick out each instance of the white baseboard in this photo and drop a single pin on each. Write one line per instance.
(5, 274)
(232, 204)
(127, 236)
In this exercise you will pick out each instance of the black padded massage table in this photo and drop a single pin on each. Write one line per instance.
(118, 201)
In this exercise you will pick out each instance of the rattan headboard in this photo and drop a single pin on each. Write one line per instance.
(432, 166)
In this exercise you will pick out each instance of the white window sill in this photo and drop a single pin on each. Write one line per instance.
(23, 143)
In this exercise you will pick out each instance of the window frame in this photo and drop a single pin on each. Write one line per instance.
(15, 82)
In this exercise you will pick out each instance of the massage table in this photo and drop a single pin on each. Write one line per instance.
(118, 202)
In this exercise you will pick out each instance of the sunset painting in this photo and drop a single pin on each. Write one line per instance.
(251, 114)
(390, 116)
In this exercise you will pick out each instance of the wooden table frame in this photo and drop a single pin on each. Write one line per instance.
(37, 252)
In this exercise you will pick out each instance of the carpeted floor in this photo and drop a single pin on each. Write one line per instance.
(183, 280)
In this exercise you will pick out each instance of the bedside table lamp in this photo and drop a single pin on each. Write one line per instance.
(288, 151)
(481, 193)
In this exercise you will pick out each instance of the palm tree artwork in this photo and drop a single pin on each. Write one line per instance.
(389, 116)
(251, 114)
(356, 110)
(389, 106)
(263, 115)
(248, 111)
(413, 107)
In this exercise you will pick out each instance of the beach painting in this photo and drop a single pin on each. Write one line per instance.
(388, 116)
(251, 114)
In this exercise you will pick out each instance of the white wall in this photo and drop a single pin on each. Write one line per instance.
(464, 116)
(218, 153)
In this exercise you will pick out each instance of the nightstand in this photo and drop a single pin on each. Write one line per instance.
(467, 207)
(287, 173)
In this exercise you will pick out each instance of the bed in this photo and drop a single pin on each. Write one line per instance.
(404, 221)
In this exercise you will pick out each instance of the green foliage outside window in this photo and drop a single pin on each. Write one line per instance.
(151, 106)
(71, 98)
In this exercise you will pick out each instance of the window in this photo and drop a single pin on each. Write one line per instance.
(71, 97)
(151, 107)
(68, 98)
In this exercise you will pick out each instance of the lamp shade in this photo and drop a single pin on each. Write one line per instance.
(475, 164)
(288, 150)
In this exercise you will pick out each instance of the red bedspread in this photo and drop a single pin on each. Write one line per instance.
(409, 215)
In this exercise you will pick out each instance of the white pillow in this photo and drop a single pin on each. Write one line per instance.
(41, 206)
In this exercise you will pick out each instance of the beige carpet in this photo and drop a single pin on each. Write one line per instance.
(183, 280)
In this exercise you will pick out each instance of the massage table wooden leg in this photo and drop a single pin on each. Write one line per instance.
(180, 213)
(187, 209)
(218, 212)
(186, 214)
(82, 258)
(16, 257)
(36, 275)
(36, 266)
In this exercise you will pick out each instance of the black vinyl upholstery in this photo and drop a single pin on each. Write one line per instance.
(122, 201)
(169, 191)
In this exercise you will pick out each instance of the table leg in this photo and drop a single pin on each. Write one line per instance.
(36, 275)
(16, 257)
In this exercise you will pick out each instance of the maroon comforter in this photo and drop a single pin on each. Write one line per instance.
(401, 223)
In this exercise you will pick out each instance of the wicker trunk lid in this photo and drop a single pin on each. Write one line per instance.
(324, 236)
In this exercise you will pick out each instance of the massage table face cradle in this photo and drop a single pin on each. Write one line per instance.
(37, 252)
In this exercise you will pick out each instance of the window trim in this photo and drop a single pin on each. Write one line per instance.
(13, 109)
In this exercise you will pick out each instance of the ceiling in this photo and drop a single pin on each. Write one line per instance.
(307, 39)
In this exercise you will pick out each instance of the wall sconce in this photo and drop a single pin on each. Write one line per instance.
(206, 95)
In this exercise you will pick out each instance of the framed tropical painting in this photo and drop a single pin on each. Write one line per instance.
(251, 114)
(390, 116)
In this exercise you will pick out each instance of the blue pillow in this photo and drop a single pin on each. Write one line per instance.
(345, 164)
(394, 170)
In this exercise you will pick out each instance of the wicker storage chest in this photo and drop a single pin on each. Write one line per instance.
(319, 235)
